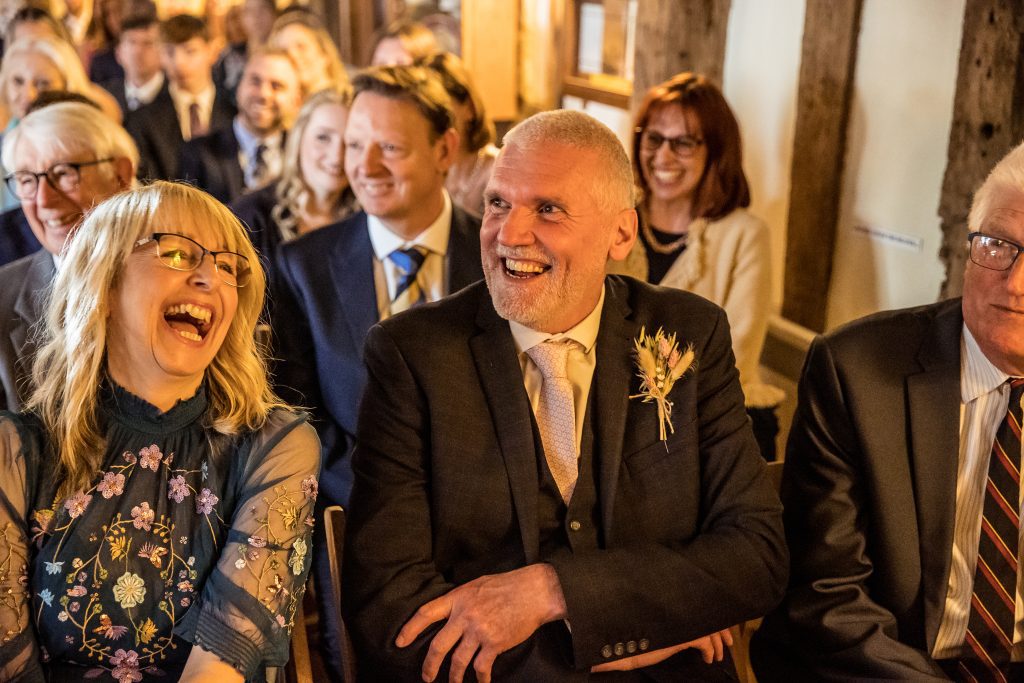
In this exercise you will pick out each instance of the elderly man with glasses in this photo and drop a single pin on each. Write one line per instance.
(66, 158)
(902, 481)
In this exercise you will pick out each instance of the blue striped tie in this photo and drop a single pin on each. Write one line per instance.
(408, 293)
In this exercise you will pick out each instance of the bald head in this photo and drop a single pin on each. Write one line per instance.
(576, 129)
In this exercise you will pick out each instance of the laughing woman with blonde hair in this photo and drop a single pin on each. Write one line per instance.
(156, 493)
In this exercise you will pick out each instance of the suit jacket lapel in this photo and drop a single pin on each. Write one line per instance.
(611, 389)
(463, 266)
(28, 304)
(234, 177)
(351, 269)
(934, 403)
(502, 380)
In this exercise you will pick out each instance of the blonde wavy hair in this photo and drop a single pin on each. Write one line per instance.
(335, 74)
(70, 367)
(292, 191)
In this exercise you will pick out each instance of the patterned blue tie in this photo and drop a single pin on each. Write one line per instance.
(408, 293)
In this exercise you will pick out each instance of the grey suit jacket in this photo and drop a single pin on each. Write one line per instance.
(447, 490)
(22, 284)
(869, 489)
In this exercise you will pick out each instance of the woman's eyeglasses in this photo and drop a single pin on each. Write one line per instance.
(184, 253)
(682, 146)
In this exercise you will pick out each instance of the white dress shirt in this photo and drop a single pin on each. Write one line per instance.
(580, 369)
(430, 277)
(984, 396)
(145, 93)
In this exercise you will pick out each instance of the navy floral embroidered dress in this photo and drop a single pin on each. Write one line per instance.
(185, 537)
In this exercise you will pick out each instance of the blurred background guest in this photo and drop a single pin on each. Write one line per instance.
(695, 231)
(138, 56)
(256, 19)
(304, 38)
(468, 176)
(32, 65)
(312, 191)
(403, 43)
(191, 99)
(247, 154)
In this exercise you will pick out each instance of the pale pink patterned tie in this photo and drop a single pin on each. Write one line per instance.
(556, 413)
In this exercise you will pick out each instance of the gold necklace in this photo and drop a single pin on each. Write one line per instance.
(656, 246)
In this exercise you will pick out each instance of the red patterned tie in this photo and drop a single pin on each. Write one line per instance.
(993, 604)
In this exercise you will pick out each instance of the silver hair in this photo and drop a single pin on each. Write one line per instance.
(1006, 176)
(576, 129)
(69, 128)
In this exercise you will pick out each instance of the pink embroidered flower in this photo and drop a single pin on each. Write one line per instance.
(185, 587)
(112, 485)
(150, 457)
(76, 504)
(177, 489)
(129, 457)
(186, 601)
(280, 620)
(73, 607)
(257, 542)
(142, 516)
(205, 502)
(126, 666)
(310, 488)
(77, 591)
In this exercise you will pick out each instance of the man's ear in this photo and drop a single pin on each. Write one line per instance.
(125, 172)
(624, 236)
(446, 147)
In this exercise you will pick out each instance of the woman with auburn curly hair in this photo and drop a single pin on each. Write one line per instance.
(155, 491)
(695, 231)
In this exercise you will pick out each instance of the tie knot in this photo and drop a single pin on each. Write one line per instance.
(408, 260)
(552, 357)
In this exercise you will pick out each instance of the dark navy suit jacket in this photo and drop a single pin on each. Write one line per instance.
(211, 163)
(321, 316)
(156, 131)
(16, 237)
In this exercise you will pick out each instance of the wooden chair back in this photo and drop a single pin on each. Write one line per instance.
(334, 524)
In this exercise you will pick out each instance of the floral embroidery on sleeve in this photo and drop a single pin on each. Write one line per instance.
(13, 582)
(279, 547)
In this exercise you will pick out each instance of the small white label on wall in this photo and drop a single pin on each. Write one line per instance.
(895, 239)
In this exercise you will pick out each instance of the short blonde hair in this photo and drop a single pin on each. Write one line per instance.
(70, 367)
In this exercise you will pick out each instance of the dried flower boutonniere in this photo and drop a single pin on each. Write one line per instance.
(660, 364)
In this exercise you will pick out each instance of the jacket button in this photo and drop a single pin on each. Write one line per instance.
(575, 525)
(631, 647)
(620, 649)
(606, 651)
(644, 644)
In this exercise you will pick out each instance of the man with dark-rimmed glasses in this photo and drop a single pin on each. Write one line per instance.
(902, 481)
(63, 160)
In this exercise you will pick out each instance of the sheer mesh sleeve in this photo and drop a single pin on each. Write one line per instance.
(19, 656)
(249, 603)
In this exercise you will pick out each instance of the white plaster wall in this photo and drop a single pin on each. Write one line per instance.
(898, 134)
(761, 72)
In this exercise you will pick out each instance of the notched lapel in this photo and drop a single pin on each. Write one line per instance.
(352, 274)
(502, 379)
(933, 410)
(613, 378)
(28, 305)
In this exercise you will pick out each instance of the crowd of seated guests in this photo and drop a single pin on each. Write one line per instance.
(479, 441)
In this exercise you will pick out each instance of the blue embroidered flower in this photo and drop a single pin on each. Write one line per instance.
(46, 596)
(53, 567)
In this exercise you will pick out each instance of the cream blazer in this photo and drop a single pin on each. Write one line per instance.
(727, 261)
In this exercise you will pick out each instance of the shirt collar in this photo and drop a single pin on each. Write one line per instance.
(584, 332)
(977, 374)
(148, 90)
(182, 99)
(434, 238)
(247, 141)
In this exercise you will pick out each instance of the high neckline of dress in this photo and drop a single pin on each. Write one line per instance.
(137, 413)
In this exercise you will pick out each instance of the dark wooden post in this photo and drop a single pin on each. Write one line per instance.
(678, 35)
(827, 61)
(988, 118)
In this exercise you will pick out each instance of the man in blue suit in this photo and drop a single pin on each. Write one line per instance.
(408, 245)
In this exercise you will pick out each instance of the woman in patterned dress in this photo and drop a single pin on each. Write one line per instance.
(155, 498)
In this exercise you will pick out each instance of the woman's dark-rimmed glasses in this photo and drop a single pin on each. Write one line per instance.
(184, 253)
